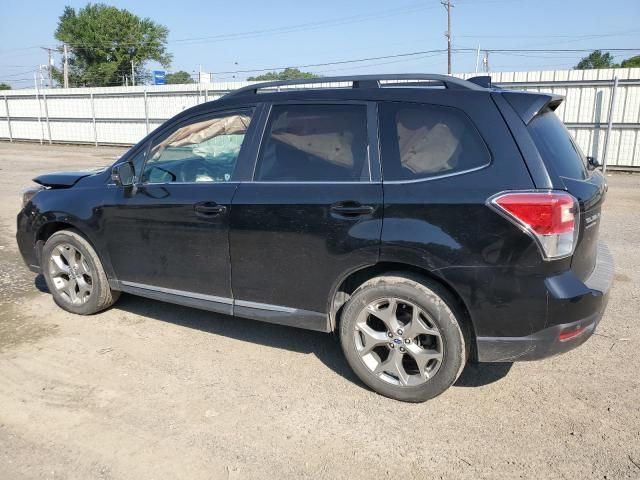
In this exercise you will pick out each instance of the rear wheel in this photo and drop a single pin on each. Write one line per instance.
(402, 338)
(74, 274)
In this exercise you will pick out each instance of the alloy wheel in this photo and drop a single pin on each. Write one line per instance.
(398, 342)
(70, 273)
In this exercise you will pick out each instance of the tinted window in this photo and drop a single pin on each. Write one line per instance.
(556, 146)
(420, 141)
(202, 151)
(315, 143)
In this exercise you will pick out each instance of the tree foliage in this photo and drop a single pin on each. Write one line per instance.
(104, 40)
(178, 77)
(596, 59)
(4, 86)
(286, 74)
(633, 62)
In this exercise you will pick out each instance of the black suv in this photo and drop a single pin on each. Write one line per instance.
(425, 219)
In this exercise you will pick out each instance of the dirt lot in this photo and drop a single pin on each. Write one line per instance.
(151, 390)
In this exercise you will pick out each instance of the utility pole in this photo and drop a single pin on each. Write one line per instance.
(447, 5)
(485, 61)
(49, 64)
(65, 66)
(133, 75)
(478, 58)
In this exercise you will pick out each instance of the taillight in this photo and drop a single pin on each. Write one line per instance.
(551, 218)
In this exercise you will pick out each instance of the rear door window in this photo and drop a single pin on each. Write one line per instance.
(314, 143)
(556, 146)
(421, 141)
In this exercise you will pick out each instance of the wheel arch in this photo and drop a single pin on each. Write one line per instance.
(352, 280)
(46, 230)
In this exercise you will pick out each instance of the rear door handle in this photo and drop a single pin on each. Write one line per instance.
(351, 209)
(209, 209)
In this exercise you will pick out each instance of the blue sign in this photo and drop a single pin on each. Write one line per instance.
(159, 77)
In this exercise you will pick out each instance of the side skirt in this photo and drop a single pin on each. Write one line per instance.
(281, 315)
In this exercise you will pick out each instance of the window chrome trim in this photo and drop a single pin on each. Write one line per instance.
(189, 183)
(437, 177)
(310, 182)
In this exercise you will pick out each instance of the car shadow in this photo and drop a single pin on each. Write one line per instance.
(480, 374)
(325, 347)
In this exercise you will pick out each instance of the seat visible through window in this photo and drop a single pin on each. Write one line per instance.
(315, 143)
(419, 141)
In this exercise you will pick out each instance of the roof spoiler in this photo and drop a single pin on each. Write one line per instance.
(528, 104)
(483, 80)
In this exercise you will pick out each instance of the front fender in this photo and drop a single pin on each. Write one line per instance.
(57, 209)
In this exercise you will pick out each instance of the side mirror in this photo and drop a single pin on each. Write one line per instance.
(123, 174)
(593, 163)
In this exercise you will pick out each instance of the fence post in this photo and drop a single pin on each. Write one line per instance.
(93, 118)
(146, 111)
(46, 115)
(39, 110)
(609, 125)
(6, 107)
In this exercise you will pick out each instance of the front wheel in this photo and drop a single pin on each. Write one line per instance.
(74, 274)
(402, 338)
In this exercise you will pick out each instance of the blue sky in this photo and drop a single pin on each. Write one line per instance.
(325, 31)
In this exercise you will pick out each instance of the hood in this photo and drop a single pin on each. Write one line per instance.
(65, 179)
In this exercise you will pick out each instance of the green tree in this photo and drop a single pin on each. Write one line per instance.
(4, 86)
(104, 40)
(632, 62)
(287, 74)
(178, 77)
(596, 59)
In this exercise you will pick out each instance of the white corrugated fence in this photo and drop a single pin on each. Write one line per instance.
(123, 115)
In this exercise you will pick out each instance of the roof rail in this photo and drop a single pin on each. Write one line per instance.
(366, 81)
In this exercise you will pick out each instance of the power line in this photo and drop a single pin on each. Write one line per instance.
(338, 21)
(413, 54)
(340, 62)
(580, 36)
(405, 56)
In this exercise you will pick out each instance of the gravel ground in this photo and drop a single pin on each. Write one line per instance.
(152, 390)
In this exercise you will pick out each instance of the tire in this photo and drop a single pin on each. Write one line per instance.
(74, 274)
(432, 337)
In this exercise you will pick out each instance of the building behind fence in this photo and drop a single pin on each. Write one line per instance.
(124, 115)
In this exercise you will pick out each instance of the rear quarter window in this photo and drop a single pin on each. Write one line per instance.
(556, 146)
(422, 141)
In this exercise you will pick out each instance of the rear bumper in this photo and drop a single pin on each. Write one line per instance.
(583, 303)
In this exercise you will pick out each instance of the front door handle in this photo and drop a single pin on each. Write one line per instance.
(209, 209)
(351, 209)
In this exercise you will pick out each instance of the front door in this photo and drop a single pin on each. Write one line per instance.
(312, 213)
(169, 234)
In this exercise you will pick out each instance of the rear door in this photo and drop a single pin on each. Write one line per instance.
(312, 213)
(561, 154)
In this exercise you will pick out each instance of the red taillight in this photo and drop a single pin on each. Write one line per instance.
(551, 218)
(569, 334)
(544, 213)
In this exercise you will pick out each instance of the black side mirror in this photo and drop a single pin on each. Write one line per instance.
(123, 174)
(593, 163)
